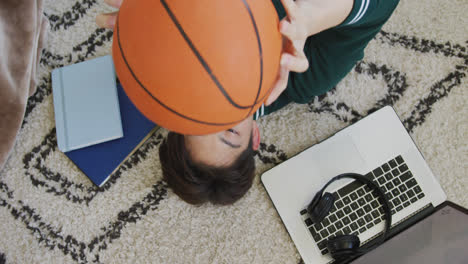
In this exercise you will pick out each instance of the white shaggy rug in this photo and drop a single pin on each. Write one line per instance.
(51, 213)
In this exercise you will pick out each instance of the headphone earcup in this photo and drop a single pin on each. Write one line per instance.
(343, 246)
(320, 206)
(313, 203)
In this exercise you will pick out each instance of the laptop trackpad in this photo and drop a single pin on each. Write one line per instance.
(294, 183)
(337, 155)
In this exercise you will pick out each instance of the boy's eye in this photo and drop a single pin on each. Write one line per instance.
(232, 131)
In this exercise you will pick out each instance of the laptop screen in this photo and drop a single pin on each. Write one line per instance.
(440, 238)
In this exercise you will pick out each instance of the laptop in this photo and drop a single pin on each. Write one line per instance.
(378, 147)
(441, 237)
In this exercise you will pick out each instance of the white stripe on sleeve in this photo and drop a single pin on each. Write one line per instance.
(355, 19)
(363, 12)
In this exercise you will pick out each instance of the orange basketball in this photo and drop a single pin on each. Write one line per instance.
(197, 67)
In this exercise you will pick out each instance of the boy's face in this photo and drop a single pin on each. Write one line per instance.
(222, 148)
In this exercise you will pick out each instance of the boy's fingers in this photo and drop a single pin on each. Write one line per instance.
(297, 63)
(288, 29)
(290, 7)
(292, 31)
(114, 3)
(280, 85)
(106, 20)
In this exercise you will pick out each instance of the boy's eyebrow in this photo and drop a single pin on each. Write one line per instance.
(229, 143)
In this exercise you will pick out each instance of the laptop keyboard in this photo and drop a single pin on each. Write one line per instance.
(357, 207)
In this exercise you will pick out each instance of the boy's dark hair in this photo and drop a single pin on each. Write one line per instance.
(198, 183)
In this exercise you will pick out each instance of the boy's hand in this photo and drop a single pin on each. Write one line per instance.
(304, 18)
(295, 32)
(108, 20)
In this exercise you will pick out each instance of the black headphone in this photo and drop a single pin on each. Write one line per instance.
(345, 247)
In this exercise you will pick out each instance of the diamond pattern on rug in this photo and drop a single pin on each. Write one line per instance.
(384, 77)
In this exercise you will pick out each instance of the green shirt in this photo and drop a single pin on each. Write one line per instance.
(332, 53)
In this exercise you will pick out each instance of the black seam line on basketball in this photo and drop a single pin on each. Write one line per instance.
(201, 59)
(156, 99)
(260, 53)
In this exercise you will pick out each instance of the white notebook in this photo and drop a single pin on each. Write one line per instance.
(86, 104)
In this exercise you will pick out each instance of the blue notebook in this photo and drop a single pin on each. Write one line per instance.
(85, 104)
(99, 161)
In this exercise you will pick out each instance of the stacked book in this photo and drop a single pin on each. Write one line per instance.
(97, 125)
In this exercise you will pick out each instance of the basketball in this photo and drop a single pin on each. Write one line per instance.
(197, 67)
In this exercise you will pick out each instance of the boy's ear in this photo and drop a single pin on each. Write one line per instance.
(255, 136)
